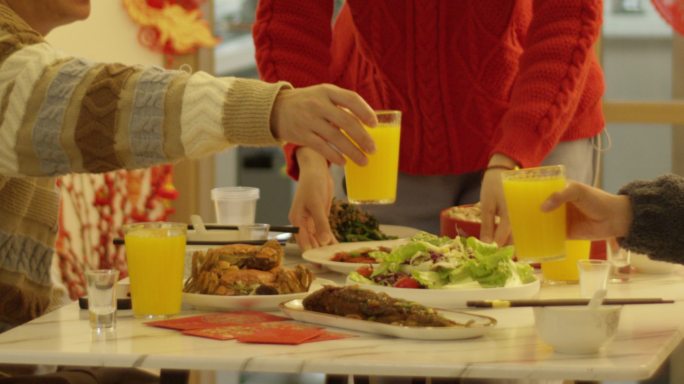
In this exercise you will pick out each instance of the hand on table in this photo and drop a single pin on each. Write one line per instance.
(314, 117)
(591, 212)
(310, 208)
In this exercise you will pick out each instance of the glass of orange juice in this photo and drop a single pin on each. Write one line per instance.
(376, 182)
(537, 236)
(155, 253)
(565, 271)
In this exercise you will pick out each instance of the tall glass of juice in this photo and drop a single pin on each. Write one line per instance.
(565, 271)
(376, 183)
(537, 236)
(155, 253)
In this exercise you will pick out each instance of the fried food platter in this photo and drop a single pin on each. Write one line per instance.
(479, 325)
(241, 276)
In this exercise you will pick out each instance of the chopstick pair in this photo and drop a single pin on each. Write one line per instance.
(561, 302)
(273, 228)
(120, 241)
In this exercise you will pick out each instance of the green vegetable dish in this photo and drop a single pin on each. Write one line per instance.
(350, 224)
(429, 261)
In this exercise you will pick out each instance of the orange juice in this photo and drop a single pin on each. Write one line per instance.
(566, 270)
(376, 183)
(537, 235)
(155, 265)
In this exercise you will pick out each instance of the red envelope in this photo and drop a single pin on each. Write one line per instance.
(281, 336)
(326, 336)
(236, 331)
(213, 320)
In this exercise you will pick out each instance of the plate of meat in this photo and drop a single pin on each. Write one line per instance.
(367, 311)
(347, 257)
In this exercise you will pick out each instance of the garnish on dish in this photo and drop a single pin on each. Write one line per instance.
(429, 261)
(243, 269)
(357, 303)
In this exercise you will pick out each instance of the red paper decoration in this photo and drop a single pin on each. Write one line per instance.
(673, 12)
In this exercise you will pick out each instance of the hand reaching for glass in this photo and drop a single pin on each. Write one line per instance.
(326, 118)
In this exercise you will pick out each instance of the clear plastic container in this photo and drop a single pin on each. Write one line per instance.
(235, 205)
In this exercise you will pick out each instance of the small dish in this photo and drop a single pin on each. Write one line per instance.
(479, 326)
(461, 220)
(577, 330)
(323, 255)
(248, 302)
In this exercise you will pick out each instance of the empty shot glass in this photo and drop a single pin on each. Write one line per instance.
(258, 231)
(620, 262)
(593, 275)
(102, 298)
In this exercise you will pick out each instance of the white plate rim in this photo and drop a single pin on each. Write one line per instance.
(400, 231)
(322, 255)
(455, 297)
(245, 302)
(295, 310)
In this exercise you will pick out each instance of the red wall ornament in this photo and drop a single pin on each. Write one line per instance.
(171, 27)
(673, 12)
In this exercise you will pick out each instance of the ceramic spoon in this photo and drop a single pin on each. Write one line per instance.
(198, 224)
(597, 299)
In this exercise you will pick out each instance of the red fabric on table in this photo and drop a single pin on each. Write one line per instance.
(213, 320)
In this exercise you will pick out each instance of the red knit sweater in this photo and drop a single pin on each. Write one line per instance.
(472, 77)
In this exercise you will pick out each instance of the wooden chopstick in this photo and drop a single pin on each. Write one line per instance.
(561, 302)
(273, 228)
(120, 241)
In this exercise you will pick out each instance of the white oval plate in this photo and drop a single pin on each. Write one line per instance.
(323, 255)
(456, 297)
(480, 326)
(251, 302)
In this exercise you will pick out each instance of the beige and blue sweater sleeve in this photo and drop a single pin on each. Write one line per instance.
(61, 114)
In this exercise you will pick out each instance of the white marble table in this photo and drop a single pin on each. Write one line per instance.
(647, 335)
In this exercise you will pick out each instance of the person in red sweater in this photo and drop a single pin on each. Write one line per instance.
(484, 86)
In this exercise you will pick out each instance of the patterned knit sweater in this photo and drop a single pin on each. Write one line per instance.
(61, 114)
(472, 77)
(658, 218)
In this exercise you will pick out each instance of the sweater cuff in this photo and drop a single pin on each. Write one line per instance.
(658, 218)
(247, 112)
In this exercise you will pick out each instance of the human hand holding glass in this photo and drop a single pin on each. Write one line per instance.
(537, 236)
(327, 119)
(591, 213)
(376, 182)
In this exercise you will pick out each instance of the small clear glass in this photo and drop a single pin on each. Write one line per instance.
(620, 262)
(593, 275)
(102, 298)
(258, 231)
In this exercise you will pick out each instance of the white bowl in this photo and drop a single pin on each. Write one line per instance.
(577, 329)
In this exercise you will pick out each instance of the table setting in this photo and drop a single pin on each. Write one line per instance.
(386, 300)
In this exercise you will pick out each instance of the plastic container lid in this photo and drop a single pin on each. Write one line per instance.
(235, 193)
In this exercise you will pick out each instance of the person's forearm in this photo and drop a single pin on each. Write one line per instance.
(69, 115)
(310, 161)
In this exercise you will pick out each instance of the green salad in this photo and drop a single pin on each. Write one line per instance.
(429, 261)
